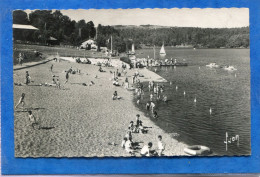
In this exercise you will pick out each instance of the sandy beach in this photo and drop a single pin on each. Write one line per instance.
(78, 120)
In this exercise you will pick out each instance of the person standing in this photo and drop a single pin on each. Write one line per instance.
(67, 77)
(152, 105)
(161, 146)
(20, 59)
(27, 78)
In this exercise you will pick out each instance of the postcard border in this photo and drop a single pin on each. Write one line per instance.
(167, 165)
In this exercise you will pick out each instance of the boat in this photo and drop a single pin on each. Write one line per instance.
(197, 150)
(173, 64)
(229, 68)
(212, 65)
(131, 54)
(162, 51)
(170, 63)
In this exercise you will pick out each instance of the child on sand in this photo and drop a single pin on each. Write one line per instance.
(123, 142)
(67, 77)
(32, 119)
(21, 101)
(53, 81)
(128, 135)
(58, 84)
(131, 127)
(161, 145)
(115, 96)
(146, 150)
(141, 128)
(129, 145)
(27, 78)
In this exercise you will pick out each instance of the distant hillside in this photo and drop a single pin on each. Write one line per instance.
(141, 26)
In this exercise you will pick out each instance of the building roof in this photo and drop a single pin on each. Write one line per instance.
(29, 27)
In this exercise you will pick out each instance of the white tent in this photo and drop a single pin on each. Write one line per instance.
(90, 42)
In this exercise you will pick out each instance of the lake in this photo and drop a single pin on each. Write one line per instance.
(226, 93)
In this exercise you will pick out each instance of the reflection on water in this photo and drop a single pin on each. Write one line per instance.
(222, 99)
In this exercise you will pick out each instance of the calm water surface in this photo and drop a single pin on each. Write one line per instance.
(227, 93)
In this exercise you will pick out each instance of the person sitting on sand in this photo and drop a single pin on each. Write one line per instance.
(131, 127)
(53, 80)
(161, 146)
(21, 101)
(115, 96)
(91, 83)
(141, 128)
(115, 82)
(129, 146)
(100, 69)
(128, 135)
(32, 119)
(146, 150)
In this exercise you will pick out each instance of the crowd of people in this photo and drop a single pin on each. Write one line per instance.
(135, 127)
(133, 148)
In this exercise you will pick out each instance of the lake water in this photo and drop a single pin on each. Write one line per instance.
(227, 93)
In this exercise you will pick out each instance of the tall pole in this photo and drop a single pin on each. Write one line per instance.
(154, 51)
(96, 32)
(111, 45)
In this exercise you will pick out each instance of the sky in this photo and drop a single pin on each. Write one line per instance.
(196, 17)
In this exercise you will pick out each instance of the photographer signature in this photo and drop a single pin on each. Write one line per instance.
(230, 140)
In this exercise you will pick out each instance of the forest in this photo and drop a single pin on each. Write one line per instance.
(69, 32)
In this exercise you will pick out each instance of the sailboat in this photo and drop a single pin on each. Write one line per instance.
(133, 49)
(162, 51)
(131, 54)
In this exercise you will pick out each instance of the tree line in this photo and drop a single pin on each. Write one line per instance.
(70, 32)
(55, 24)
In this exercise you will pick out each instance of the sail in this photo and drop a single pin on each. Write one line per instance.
(133, 48)
(162, 51)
